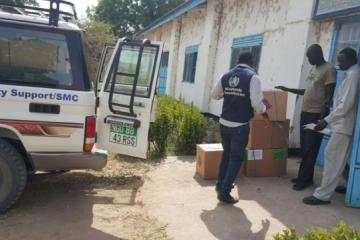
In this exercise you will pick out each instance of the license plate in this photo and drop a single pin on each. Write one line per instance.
(123, 134)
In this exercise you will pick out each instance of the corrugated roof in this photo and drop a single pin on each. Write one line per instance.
(177, 12)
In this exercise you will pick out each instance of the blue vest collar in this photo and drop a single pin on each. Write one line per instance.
(245, 66)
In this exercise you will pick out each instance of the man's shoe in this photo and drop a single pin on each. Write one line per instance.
(294, 180)
(341, 189)
(301, 186)
(227, 198)
(217, 188)
(314, 201)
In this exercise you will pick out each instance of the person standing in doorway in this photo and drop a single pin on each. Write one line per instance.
(241, 90)
(342, 121)
(317, 100)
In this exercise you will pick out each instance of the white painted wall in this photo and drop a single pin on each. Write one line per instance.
(285, 25)
(192, 33)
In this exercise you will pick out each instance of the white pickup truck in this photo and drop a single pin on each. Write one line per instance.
(51, 118)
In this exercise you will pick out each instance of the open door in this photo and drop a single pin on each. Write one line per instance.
(126, 97)
(102, 67)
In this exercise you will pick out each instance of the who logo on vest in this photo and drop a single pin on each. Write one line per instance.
(234, 82)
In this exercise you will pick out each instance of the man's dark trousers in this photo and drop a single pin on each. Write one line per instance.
(234, 142)
(310, 142)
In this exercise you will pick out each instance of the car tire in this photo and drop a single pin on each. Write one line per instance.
(13, 175)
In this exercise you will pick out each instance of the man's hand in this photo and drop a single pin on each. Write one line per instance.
(291, 90)
(321, 125)
(267, 104)
(282, 88)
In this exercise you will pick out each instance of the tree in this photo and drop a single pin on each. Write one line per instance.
(129, 16)
(97, 35)
(19, 2)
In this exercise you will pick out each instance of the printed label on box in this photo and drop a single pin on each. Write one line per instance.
(279, 154)
(254, 155)
(211, 147)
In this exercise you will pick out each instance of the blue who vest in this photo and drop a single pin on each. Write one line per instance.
(237, 103)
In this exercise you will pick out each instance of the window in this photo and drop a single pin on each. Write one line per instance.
(161, 89)
(191, 54)
(43, 59)
(127, 65)
(349, 36)
(107, 57)
(251, 44)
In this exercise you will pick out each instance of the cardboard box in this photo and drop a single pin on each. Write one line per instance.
(208, 157)
(276, 135)
(266, 163)
(278, 101)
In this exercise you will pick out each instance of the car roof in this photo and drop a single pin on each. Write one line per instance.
(36, 21)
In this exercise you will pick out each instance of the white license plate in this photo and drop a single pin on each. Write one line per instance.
(123, 134)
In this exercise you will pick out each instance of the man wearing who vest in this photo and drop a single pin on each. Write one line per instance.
(241, 90)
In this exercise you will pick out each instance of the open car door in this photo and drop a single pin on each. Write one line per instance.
(126, 97)
(102, 67)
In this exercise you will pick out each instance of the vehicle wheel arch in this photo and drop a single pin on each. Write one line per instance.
(14, 139)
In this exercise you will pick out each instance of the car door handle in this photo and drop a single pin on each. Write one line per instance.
(44, 108)
(139, 104)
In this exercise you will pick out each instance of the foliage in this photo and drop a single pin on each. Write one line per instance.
(340, 232)
(162, 128)
(178, 125)
(129, 16)
(190, 129)
(19, 2)
(287, 235)
(97, 35)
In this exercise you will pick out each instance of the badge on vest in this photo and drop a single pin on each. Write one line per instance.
(234, 82)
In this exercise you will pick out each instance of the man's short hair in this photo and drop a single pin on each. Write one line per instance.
(350, 54)
(245, 58)
(316, 49)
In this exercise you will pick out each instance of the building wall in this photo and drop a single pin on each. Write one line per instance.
(179, 34)
(285, 25)
(169, 34)
(324, 32)
(287, 28)
(163, 34)
(191, 33)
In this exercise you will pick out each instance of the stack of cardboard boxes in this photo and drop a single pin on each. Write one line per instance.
(267, 150)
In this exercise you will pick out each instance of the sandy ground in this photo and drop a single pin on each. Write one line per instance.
(158, 201)
(267, 205)
(84, 205)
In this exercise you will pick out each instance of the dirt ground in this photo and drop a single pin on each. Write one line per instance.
(267, 206)
(155, 200)
(85, 205)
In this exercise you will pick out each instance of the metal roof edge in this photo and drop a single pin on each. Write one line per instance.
(177, 12)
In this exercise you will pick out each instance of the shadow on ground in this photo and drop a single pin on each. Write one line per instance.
(226, 221)
(275, 196)
(61, 207)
